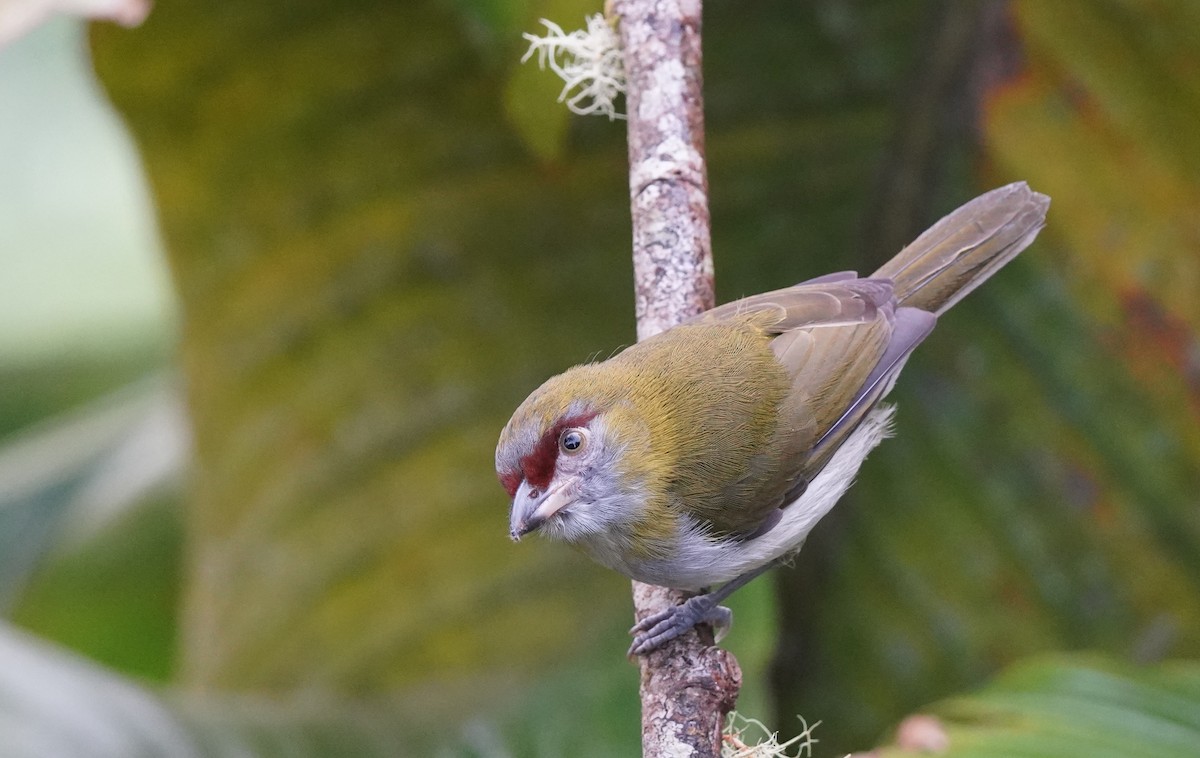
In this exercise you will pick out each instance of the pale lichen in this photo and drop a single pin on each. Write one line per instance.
(750, 738)
(588, 61)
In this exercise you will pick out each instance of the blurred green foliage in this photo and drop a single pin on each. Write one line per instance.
(384, 234)
(35, 390)
(115, 597)
(1071, 706)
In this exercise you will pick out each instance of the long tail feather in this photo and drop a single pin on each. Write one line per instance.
(961, 251)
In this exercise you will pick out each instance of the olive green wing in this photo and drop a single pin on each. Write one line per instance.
(840, 341)
(837, 384)
(832, 300)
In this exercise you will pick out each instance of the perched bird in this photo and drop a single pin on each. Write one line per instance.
(705, 454)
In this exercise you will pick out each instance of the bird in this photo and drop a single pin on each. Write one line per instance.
(705, 455)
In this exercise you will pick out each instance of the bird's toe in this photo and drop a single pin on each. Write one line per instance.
(654, 631)
(651, 621)
(721, 619)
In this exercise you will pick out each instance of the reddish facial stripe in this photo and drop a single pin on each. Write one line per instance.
(539, 464)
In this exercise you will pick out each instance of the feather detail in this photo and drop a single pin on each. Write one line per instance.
(958, 253)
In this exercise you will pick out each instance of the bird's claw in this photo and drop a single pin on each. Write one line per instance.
(654, 631)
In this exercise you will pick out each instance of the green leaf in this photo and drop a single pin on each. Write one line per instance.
(80, 469)
(113, 593)
(352, 358)
(1068, 707)
(53, 703)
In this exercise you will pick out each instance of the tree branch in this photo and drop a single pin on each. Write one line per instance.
(687, 686)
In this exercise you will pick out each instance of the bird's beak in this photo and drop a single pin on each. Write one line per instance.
(529, 513)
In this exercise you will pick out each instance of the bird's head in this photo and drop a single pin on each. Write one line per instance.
(568, 459)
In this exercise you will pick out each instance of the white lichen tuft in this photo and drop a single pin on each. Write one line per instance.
(590, 63)
(749, 738)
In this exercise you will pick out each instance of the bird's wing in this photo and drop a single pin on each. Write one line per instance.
(838, 371)
(830, 300)
(838, 412)
(841, 341)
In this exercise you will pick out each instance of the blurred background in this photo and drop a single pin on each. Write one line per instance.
(273, 276)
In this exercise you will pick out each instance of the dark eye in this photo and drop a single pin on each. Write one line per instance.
(572, 441)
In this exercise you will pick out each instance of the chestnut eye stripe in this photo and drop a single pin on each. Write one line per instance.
(538, 465)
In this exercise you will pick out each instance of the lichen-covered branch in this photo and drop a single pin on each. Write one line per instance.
(688, 685)
(668, 183)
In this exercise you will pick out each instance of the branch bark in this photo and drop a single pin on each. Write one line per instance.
(688, 685)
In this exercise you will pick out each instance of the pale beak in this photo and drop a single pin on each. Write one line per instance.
(528, 513)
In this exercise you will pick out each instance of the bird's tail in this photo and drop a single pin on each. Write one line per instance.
(961, 251)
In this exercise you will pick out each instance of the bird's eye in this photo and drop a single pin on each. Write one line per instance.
(572, 440)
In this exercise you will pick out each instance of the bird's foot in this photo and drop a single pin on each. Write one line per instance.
(654, 631)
